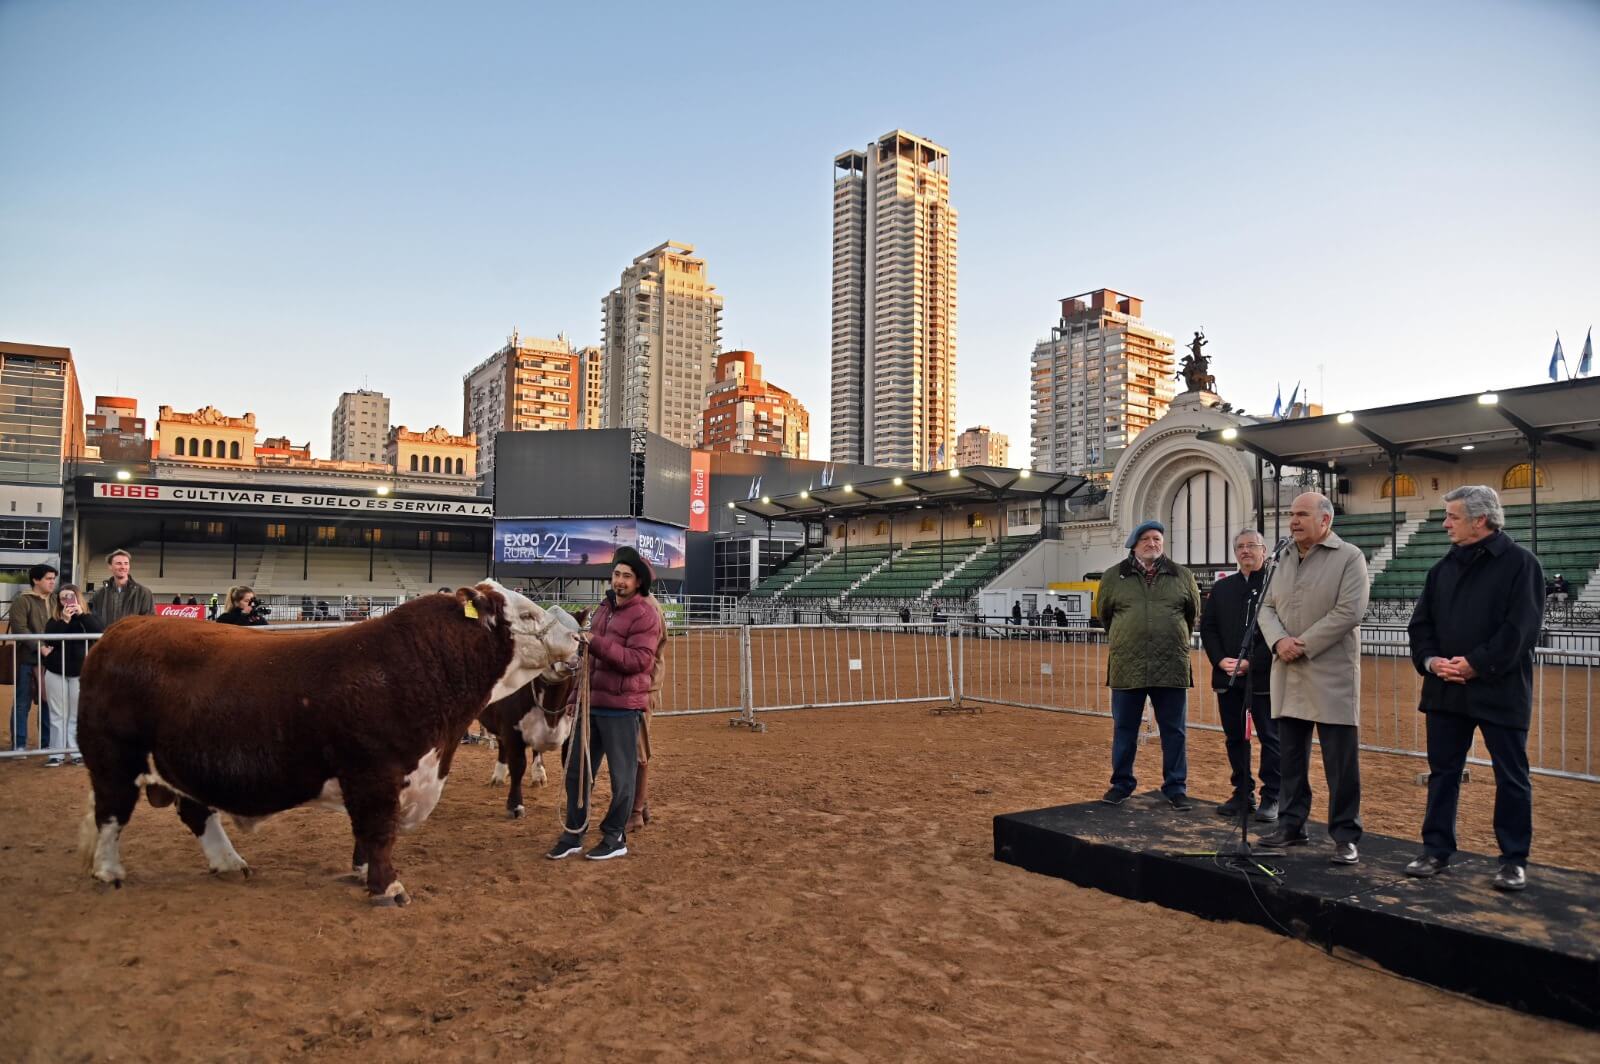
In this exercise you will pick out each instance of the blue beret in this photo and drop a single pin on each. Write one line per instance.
(1142, 529)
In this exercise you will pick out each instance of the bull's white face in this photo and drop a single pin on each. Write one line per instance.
(544, 642)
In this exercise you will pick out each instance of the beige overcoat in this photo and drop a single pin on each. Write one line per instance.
(1319, 599)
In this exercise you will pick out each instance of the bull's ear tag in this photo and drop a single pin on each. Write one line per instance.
(470, 610)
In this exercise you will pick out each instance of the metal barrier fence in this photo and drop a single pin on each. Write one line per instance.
(749, 670)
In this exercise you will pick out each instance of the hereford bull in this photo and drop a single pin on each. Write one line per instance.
(364, 719)
(533, 717)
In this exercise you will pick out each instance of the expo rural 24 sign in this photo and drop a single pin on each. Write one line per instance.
(294, 500)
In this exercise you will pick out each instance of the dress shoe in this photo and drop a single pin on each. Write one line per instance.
(1268, 813)
(1236, 805)
(1511, 877)
(1427, 866)
(1284, 837)
(1344, 853)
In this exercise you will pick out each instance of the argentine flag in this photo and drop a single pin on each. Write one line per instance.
(1277, 405)
(1586, 361)
(1556, 356)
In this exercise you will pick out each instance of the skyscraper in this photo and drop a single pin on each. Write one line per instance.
(746, 414)
(663, 325)
(1101, 378)
(360, 426)
(591, 362)
(894, 305)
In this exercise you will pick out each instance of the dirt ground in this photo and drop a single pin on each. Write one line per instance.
(823, 891)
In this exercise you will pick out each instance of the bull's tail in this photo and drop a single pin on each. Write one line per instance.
(88, 836)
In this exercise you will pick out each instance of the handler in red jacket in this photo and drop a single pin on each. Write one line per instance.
(624, 639)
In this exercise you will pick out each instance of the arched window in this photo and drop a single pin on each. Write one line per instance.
(178, 446)
(926, 526)
(233, 449)
(208, 449)
(461, 467)
(437, 465)
(1519, 475)
(413, 463)
(1401, 486)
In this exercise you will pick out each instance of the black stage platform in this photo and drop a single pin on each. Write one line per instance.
(1537, 951)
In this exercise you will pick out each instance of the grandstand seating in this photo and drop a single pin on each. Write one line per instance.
(1569, 544)
(1370, 532)
(201, 569)
(984, 568)
(916, 569)
(791, 567)
(833, 577)
(198, 569)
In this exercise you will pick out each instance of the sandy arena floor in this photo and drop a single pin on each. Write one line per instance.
(824, 891)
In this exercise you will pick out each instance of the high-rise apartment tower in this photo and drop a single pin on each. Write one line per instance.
(360, 426)
(894, 305)
(663, 325)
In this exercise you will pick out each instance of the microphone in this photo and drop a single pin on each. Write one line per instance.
(1282, 543)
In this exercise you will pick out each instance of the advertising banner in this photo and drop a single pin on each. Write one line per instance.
(169, 609)
(586, 541)
(699, 491)
(288, 498)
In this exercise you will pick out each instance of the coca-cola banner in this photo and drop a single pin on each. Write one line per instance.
(173, 610)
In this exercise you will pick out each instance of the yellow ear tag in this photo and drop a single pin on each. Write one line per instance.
(470, 610)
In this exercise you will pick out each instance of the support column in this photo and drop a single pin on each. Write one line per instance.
(1533, 497)
(1261, 497)
(1394, 505)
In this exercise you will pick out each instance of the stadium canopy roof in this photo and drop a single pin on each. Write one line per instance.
(1566, 413)
(976, 485)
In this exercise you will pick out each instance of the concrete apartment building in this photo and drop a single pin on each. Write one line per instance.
(591, 372)
(42, 422)
(894, 305)
(529, 384)
(981, 445)
(116, 431)
(1102, 377)
(360, 426)
(662, 329)
(745, 414)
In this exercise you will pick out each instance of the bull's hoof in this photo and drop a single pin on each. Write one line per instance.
(241, 868)
(538, 776)
(514, 812)
(392, 898)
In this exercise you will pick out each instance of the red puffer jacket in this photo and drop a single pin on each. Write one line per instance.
(623, 644)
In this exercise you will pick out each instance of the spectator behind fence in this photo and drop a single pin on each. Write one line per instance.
(241, 608)
(1473, 635)
(62, 666)
(122, 595)
(30, 613)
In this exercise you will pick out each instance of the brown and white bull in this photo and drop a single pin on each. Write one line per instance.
(532, 718)
(365, 719)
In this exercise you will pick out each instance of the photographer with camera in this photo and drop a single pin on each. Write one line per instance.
(242, 608)
(61, 668)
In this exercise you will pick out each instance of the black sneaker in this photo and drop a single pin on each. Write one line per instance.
(1284, 837)
(1268, 813)
(1236, 805)
(1181, 802)
(608, 849)
(1115, 796)
(565, 846)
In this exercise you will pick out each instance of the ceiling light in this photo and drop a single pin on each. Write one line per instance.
(955, 472)
(805, 495)
(766, 500)
(1488, 399)
(1466, 446)
(1230, 434)
(899, 481)
(1024, 475)
(1346, 418)
(849, 487)
(123, 474)
(383, 489)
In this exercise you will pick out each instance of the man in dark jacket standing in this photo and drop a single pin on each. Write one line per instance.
(1472, 637)
(624, 640)
(1149, 605)
(1222, 626)
(122, 595)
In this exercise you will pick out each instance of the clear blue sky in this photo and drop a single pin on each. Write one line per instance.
(262, 205)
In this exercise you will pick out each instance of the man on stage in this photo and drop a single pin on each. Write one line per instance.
(1222, 634)
(1472, 637)
(1311, 617)
(1149, 605)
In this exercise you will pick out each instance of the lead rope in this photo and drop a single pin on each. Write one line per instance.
(586, 770)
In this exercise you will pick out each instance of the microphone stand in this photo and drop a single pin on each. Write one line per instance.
(1244, 853)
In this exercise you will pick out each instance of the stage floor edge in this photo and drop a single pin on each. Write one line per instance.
(1537, 951)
